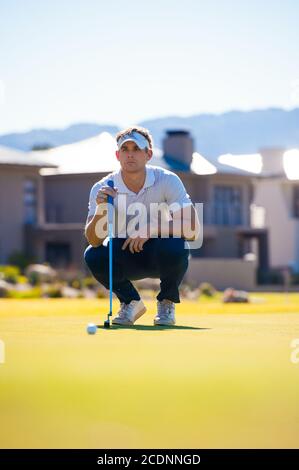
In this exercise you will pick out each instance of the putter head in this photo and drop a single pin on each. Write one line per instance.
(106, 324)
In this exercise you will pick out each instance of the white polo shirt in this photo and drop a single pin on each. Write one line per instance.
(160, 186)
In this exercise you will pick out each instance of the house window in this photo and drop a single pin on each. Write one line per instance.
(296, 201)
(30, 201)
(227, 205)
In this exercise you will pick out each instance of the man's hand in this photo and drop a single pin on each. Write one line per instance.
(103, 193)
(135, 244)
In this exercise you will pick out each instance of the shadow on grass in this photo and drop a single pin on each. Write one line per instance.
(151, 327)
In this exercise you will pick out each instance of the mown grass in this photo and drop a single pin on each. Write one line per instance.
(222, 378)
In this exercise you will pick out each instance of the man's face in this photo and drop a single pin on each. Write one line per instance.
(131, 158)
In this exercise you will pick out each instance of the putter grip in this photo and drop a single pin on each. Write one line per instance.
(110, 198)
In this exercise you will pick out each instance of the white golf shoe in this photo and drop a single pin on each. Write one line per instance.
(166, 313)
(129, 313)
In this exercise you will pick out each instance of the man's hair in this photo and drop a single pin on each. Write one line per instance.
(141, 131)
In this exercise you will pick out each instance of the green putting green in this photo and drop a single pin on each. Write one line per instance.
(223, 377)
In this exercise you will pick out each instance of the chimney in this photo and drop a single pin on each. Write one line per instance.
(178, 145)
(272, 159)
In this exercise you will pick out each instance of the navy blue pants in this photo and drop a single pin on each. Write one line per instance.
(163, 258)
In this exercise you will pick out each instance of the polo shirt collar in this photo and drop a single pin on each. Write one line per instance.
(122, 188)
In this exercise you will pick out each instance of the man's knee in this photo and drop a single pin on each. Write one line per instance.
(92, 255)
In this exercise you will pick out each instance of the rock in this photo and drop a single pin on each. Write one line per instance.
(233, 295)
(41, 272)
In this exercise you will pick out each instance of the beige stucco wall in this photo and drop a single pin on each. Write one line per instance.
(68, 195)
(274, 196)
(12, 207)
(222, 273)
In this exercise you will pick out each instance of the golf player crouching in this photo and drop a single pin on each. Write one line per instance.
(159, 248)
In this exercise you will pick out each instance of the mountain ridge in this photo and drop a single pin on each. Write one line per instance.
(234, 131)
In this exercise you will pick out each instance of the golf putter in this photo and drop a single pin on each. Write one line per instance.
(110, 235)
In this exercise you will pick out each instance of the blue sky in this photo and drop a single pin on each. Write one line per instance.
(120, 62)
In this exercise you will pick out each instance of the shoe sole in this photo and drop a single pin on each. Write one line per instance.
(138, 315)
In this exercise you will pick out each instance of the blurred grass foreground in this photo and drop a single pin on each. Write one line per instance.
(223, 377)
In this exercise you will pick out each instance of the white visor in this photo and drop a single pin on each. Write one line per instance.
(134, 136)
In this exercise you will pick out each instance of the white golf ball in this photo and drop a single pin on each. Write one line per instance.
(91, 329)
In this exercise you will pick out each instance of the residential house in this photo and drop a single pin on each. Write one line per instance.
(231, 198)
(21, 198)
